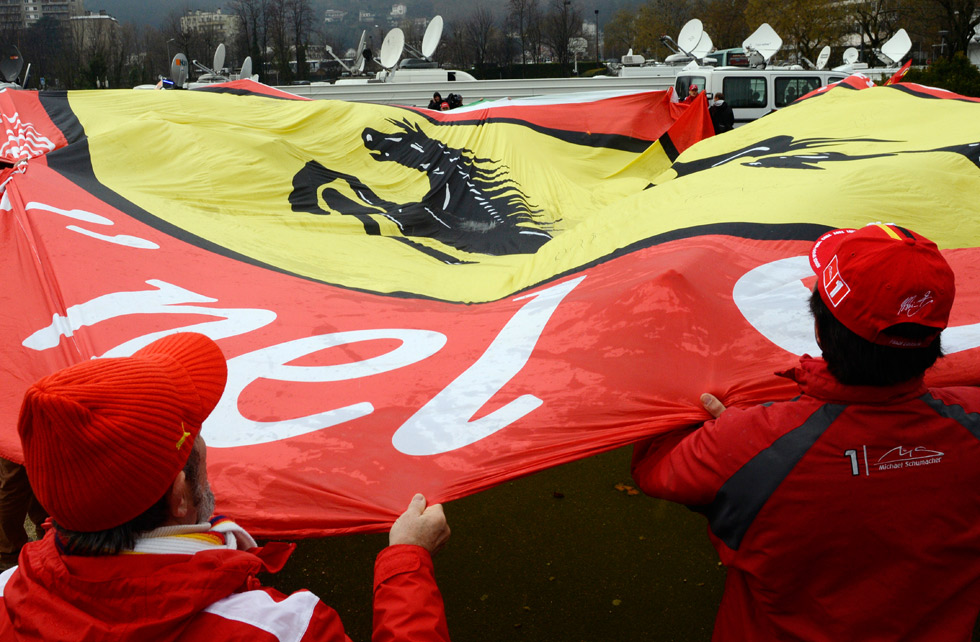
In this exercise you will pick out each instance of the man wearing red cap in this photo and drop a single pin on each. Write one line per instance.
(692, 93)
(850, 512)
(113, 452)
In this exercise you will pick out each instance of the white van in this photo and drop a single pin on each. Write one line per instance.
(753, 93)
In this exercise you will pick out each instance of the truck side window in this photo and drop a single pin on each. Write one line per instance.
(745, 91)
(789, 88)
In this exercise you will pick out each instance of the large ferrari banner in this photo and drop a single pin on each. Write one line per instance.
(436, 302)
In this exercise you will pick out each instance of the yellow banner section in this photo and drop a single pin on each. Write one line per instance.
(378, 198)
(842, 159)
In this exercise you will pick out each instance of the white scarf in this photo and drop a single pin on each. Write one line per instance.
(193, 538)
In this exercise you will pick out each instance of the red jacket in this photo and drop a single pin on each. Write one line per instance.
(848, 513)
(209, 596)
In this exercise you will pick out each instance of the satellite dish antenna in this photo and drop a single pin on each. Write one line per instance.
(850, 56)
(823, 57)
(391, 48)
(362, 55)
(690, 35)
(632, 59)
(11, 64)
(703, 47)
(895, 49)
(219, 59)
(433, 33)
(762, 44)
(246, 71)
(179, 70)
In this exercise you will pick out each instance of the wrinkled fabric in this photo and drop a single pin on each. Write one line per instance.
(438, 302)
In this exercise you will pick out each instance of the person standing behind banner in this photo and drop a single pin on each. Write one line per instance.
(851, 512)
(722, 117)
(17, 504)
(436, 102)
(692, 93)
(114, 452)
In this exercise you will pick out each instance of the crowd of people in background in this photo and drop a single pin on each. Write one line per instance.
(452, 101)
(722, 116)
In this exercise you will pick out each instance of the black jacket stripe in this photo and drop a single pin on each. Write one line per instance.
(741, 498)
(969, 420)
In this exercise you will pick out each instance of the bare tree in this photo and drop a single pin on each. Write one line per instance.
(562, 23)
(480, 29)
(522, 15)
(455, 42)
(724, 21)
(535, 33)
(45, 45)
(876, 21)
(657, 18)
(207, 37)
(959, 19)
(251, 32)
(96, 45)
(805, 25)
(147, 55)
(299, 13)
(277, 30)
(620, 33)
(120, 60)
(925, 27)
(175, 35)
(414, 34)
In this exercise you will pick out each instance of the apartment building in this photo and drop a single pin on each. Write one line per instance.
(18, 14)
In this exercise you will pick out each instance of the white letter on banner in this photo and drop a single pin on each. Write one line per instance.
(89, 217)
(773, 299)
(165, 299)
(444, 424)
(226, 427)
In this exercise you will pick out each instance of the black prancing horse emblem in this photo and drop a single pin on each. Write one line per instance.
(471, 204)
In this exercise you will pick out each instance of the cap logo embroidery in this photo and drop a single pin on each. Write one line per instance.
(833, 284)
(183, 438)
(913, 304)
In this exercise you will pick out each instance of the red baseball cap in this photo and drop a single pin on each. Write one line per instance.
(881, 275)
(105, 438)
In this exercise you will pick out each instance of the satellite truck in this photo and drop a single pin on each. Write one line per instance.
(760, 88)
(751, 84)
(180, 72)
(412, 81)
(692, 45)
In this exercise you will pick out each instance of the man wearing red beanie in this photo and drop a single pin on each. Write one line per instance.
(850, 512)
(113, 452)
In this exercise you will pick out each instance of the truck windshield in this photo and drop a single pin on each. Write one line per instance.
(684, 83)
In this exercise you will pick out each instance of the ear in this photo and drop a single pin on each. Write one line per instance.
(180, 499)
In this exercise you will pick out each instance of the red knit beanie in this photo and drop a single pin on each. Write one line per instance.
(104, 439)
